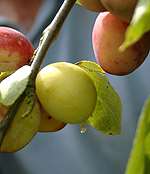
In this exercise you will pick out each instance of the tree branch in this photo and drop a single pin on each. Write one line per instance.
(48, 36)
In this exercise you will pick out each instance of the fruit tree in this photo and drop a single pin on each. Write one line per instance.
(46, 100)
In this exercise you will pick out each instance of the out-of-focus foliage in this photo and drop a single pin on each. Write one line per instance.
(139, 25)
(139, 161)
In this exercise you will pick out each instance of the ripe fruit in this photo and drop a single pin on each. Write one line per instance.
(66, 92)
(108, 35)
(49, 124)
(22, 129)
(123, 9)
(15, 49)
(93, 5)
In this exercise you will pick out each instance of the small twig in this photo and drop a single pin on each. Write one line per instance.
(48, 36)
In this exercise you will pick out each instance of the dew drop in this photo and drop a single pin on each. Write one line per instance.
(83, 129)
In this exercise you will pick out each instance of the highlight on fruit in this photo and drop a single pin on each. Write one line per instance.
(66, 92)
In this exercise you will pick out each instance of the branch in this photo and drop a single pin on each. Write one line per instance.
(48, 37)
(50, 34)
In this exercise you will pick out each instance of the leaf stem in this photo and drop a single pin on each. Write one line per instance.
(48, 37)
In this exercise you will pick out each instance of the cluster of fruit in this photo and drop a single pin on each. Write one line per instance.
(65, 93)
(109, 33)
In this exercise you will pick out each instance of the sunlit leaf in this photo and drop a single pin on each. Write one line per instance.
(139, 25)
(14, 85)
(107, 114)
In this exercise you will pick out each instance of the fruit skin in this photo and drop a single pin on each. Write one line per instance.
(108, 34)
(22, 129)
(66, 92)
(122, 9)
(93, 5)
(15, 49)
(49, 124)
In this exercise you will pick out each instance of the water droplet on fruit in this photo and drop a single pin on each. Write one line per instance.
(83, 129)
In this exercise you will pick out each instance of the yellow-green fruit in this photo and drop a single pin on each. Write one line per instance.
(22, 129)
(93, 5)
(66, 92)
(48, 123)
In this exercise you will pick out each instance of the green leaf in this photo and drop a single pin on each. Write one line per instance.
(78, 2)
(107, 114)
(14, 85)
(139, 25)
(139, 161)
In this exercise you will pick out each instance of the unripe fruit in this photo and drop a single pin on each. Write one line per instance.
(22, 129)
(66, 92)
(108, 35)
(122, 9)
(49, 124)
(93, 5)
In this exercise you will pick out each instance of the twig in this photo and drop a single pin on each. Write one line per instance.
(48, 36)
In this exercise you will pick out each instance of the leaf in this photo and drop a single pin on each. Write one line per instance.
(14, 85)
(3, 75)
(107, 114)
(139, 25)
(22, 129)
(139, 160)
(78, 2)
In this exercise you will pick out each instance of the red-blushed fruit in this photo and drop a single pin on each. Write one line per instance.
(93, 5)
(15, 49)
(108, 35)
(123, 9)
(49, 124)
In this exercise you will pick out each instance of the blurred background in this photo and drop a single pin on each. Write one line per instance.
(68, 151)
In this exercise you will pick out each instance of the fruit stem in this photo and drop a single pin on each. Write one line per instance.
(49, 35)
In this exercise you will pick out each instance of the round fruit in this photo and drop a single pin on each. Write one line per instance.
(15, 49)
(108, 35)
(66, 92)
(22, 129)
(49, 124)
(93, 5)
(123, 9)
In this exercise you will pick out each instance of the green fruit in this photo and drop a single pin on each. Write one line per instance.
(22, 129)
(66, 92)
(48, 123)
